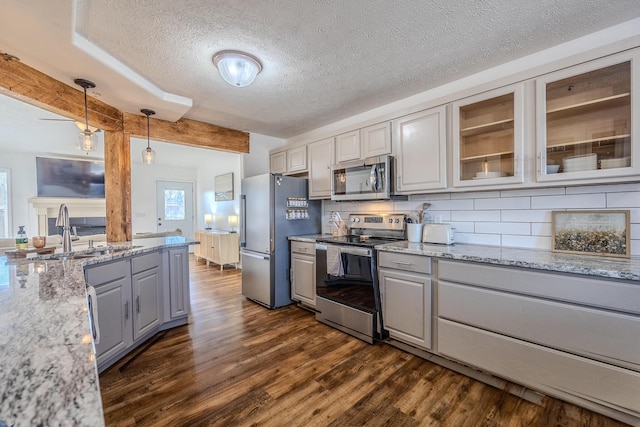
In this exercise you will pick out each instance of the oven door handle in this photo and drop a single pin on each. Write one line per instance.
(355, 251)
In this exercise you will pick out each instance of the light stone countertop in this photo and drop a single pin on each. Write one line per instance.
(590, 265)
(309, 238)
(48, 373)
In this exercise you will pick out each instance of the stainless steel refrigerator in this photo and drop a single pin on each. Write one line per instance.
(272, 208)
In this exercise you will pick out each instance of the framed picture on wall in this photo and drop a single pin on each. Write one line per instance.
(223, 187)
(604, 233)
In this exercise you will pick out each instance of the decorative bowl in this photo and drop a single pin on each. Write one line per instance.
(552, 169)
(38, 241)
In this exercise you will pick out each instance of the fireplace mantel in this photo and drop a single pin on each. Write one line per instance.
(48, 207)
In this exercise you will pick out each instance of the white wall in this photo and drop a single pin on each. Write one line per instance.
(512, 218)
(257, 161)
(22, 169)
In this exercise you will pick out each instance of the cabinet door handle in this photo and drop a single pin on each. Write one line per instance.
(138, 304)
(126, 310)
(516, 167)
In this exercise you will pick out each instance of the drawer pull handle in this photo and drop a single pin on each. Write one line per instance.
(403, 263)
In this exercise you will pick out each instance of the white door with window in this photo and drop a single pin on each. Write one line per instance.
(175, 206)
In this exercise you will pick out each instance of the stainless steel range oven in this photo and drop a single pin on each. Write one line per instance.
(347, 291)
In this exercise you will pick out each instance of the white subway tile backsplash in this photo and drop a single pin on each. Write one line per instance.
(478, 239)
(610, 188)
(531, 242)
(503, 203)
(462, 227)
(514, 218)
(475, 216)
(541, 229)
(476, 195)
(623, 200)
(533, 192)
(523, 228)
(451, 205)
(525, 216)
(581, 201)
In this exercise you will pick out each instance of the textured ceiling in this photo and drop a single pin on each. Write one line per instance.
(324, 60)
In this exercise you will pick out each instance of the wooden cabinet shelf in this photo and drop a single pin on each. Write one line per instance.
(595, 104)
(486, 128)
(611, 139)
(486, 156)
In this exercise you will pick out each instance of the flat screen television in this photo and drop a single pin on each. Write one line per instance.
(76, 178)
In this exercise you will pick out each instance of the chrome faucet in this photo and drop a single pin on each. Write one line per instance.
(63, 221)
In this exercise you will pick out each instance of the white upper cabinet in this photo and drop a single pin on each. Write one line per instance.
(376, 140)
(367, 142)
(348, 146)
(585, 126)
(297, 159)
(420, 148)
(321, 157)
(278, 162)
(293, 160)
(488, 138)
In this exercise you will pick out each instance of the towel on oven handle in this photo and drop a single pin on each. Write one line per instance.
(334, 261)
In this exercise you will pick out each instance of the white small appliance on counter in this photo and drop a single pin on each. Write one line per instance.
(442, 234)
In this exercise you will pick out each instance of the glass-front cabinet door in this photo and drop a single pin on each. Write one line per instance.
(585, 127)
(488, 138)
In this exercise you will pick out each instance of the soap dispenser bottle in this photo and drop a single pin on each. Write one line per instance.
(22, 241)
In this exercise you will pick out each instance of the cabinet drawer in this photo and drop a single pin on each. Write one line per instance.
(547, 370)
(610, 294)
(145, 262)
(597, 334)
(415, 263)
(303, 247)
(106, 273)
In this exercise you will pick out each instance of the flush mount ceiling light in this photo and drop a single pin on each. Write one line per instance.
(237, 68)
(148, 155)
(87, 139)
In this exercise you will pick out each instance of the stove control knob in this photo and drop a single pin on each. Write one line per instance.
(390, 220)
(397, 221)
(356, 219)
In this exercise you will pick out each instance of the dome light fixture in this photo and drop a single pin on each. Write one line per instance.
(237, 68)
(148, 155)
(87, 139)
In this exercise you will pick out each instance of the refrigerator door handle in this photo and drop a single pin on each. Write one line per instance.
(250, 255)
(243, 224)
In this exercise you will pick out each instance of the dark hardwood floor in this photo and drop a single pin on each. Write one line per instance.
(239, 364)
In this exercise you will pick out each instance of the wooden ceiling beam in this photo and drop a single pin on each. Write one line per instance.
(188, 132)
(29, 85)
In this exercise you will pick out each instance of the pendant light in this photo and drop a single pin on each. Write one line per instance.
(148, 155)
(87, 140)
(237, 68)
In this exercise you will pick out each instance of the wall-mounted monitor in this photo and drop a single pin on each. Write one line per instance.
(60, 177)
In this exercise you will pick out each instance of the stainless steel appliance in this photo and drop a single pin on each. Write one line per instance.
(368, 179)
(347, 290)
(273, 207)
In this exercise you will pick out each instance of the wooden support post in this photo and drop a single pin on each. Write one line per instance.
(117, 160)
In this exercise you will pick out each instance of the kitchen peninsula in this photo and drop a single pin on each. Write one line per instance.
(49, 374)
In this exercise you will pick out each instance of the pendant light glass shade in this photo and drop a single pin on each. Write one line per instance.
(87, 140)
(148, 155)
(237, 68)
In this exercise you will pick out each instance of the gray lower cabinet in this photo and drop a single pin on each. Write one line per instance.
(112, 282)
(146, 282)
(132, 299)
(303, 273)
(569, 336)
(178, 285)
(406, 295)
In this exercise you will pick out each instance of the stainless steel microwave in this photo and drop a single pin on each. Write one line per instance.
(368, 179)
